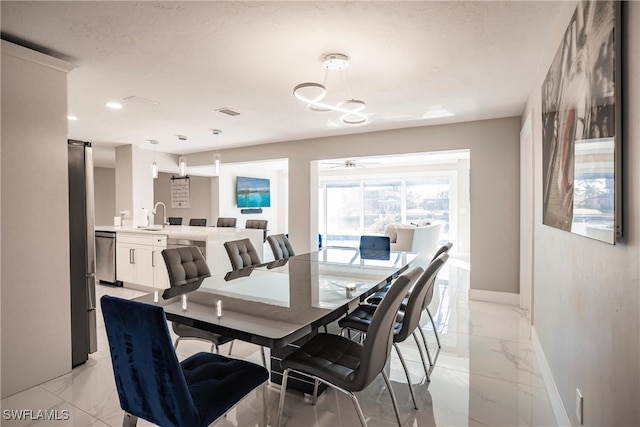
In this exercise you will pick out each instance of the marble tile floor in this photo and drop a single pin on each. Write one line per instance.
(485, 374)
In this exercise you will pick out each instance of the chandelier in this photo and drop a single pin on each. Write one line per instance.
(313, 93)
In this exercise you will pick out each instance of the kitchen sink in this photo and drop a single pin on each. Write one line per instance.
(150, 229)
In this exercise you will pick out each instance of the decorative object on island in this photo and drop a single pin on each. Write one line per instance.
(314, 93)
(253, 192)
(581, 119)
(217, 158)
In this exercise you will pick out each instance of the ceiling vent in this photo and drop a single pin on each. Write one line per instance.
(227, 111)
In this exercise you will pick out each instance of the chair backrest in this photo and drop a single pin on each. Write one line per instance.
(185, 265)
(442, 250)
(377, 344)
(429, 295)
(175, 220)
(226, 222)
(149, 380)
(260, 224)
(280, 246)
(242, 253)
(415, 302)
(198, 222)
(256, 223)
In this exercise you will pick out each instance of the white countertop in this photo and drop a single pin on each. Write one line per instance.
(183, 231)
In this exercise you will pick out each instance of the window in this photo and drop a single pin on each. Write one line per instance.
(354, 206)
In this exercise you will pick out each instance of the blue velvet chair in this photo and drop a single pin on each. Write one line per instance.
(154, 386)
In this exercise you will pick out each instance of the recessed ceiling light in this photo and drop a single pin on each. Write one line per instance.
(114, 105)
(72, 118)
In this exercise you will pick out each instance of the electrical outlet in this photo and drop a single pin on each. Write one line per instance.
(579, 405)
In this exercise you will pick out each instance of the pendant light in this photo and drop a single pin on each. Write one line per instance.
(154, 165)
(217, 158)
(182, 160)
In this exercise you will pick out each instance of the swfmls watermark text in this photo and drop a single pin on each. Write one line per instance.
(35, 414)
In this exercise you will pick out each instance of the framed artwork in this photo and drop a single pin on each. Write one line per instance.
(581, 126)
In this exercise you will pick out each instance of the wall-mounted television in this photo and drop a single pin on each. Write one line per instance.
(253, 192)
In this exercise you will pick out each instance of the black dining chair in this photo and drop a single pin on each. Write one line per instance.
(280, 246)
(186, 265)
(198, 222)
(259, 224)
(153, 385)
(175, 220)
(346, 365)
(408, 317)
(242, 253)
(377, 297)
(226, 222)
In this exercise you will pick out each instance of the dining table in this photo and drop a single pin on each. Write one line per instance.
(282, 304)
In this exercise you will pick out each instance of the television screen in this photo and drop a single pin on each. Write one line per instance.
(253, 192)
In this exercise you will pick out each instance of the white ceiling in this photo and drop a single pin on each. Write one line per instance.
(180, 61)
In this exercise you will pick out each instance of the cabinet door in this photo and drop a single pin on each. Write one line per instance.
(161, 277)
(125, 267)
(144, 265)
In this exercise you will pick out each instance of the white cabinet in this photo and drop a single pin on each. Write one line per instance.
(160, 275)
(139, 261)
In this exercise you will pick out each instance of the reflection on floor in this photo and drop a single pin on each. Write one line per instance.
(485, 375)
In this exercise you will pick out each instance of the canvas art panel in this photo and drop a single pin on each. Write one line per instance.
(581, 129)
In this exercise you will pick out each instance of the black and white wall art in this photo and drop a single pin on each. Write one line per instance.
(581, 126)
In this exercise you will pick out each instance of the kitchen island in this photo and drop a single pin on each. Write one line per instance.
(138, 250)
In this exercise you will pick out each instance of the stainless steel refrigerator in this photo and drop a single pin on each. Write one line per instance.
(82, 252)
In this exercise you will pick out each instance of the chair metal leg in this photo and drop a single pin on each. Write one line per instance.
(283, 390)
(216, 347)
(175, 344)
(231, 347)
(314, 398)
(264, 390)
(129, 420)
(426, 346)
(356, 404)
(264, 358)
(393, 397)
(406, 372)
(435, 331)
(424, 363)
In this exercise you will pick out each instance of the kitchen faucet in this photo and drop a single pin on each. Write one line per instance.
(164, 213)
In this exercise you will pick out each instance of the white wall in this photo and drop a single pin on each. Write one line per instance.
(586, 293)
(227, 190)
(134, 183)
(494, 159)
(104, 195)
(36, 313)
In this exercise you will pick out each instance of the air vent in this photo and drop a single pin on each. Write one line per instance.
(227, 111)
(141, 99)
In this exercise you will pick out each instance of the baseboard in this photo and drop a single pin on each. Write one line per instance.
(562, 419)
(494, 296)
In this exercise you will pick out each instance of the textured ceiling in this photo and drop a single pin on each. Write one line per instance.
(410, 62)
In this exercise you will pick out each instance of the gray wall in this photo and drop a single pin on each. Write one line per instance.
(36, 319)
(586, 293)
(494, 148)
(104, 195)
(200, 198)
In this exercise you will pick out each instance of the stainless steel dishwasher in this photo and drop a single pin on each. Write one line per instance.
(106, 258)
